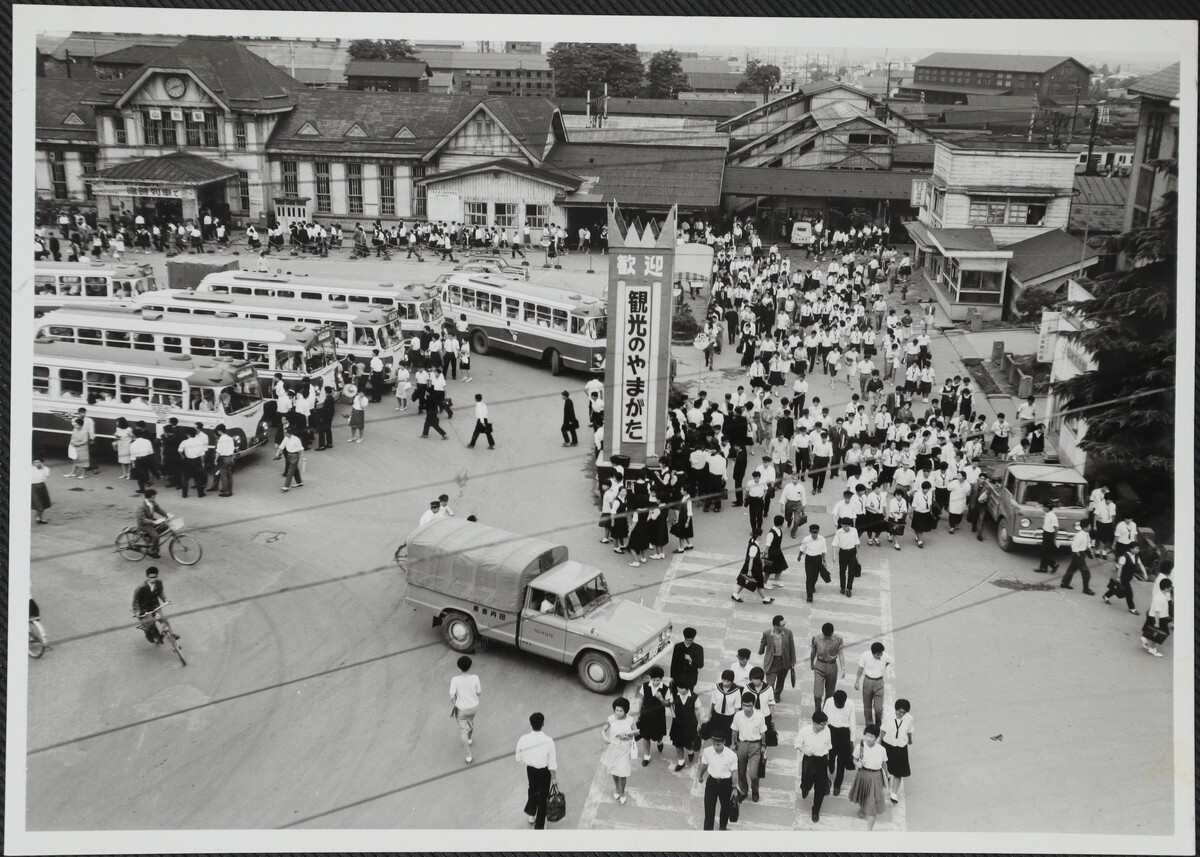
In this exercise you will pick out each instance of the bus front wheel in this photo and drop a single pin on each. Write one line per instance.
(556, 362)
(479, 342)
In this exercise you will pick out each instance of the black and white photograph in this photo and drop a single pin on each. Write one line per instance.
(521, 432)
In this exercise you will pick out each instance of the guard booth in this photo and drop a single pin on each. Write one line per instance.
(693, 268)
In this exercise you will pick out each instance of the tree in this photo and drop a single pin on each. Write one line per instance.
(1033, 300)
(665, 77)
(760, 77)
(380, 49)
(582, 66)
(1128, 400)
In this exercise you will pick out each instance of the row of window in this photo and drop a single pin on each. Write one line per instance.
(101, 386)
(354, 187)
(1011, 211)
(517, 310)
(506, 214)
(58, 173)
(976, 78)
(161, 128)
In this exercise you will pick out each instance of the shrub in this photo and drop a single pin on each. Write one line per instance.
(684, 326)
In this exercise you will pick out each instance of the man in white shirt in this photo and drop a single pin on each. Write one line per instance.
(813, 743)
(535, 750)
(432, 513)
(871, 669)
(741, 668)
(812, 553)
(792, 498)
(1081, 548)
(291, 448)
(225, 453)
(840, 711)
(749, 726)
(191, 453)
(141, 457)
(846, 541)
(717, 764)
(465, 690)
(482, 424)
(376, 376)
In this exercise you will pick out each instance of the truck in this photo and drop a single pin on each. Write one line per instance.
(186, 272)
(1013, 494)
(479, 582)
(802, 234)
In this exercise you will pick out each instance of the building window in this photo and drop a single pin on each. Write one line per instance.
(324, 199)
(122, 134)
(194, 130)
(537, 216)
(506, 214)
(210, 130)
(158, 132)
(89, 166)
(291, 180)
(239, 134)
(58, 173)
(475, 213)
(419, 196)
(244, 189)
(387, 189)
(1154, 133)
(354, 188)
(988, 210)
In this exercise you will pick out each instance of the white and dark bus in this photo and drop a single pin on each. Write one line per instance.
(57, 284)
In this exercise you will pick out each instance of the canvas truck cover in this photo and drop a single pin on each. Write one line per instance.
(186, 272)
(478, 563)
(693, 262)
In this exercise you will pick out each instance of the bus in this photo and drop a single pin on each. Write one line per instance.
(297, 351)
(358, 330)
(416, 305)
(56, 284)
(147, 386)
(563, 329)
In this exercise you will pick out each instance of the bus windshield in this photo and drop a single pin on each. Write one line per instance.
(598, 328)
(389, 334)
(431, 311)
(240, 396)
(289, 360)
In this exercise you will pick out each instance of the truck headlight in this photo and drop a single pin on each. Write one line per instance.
(1025, 522)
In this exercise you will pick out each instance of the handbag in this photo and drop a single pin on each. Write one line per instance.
(762, 765)
(72, 453)
(896, 528)
(747, 582)
(706, 729)
(556, 805)
(734, 810)
(771, 739)
(1152, 632)
(825, 576)
(801, 521)
(1117, 587)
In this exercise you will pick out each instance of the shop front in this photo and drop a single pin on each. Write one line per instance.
(963, 268)
(174, 188)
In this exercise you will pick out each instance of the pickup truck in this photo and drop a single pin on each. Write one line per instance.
(1013, 493)
(481, 582)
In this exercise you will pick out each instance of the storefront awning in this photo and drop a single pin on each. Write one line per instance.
(178, 169)
(975, 242)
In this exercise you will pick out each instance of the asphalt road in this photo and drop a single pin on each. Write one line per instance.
(314, 698)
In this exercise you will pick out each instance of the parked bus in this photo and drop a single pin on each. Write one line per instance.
(297, 351)
(416, 305)
(145, 386)
(57, 284)
(358, 330)
(556, 326)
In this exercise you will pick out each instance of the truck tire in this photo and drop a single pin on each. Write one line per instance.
(598, 672)
(458, 630)
(556, 362)
(479, 342)
(1003, 536)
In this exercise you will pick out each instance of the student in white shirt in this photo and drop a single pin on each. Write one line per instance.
(465, 690)
(897, 735)
(813, 743)
(839, 709)
(718, 765)
(535, 750)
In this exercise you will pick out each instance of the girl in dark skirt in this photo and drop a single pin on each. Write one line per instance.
(682, 529)
(751, 575)
(639, 537)
(685, 720)
(749, 343)
(922, 509)
(657, 524)
(652, 718)
(897, 735)
(619, 521)
(776, 563)
(40, 500)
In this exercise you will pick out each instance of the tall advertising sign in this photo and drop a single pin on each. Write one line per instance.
(641, 271)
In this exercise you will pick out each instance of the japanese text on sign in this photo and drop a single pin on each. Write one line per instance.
(635, 372)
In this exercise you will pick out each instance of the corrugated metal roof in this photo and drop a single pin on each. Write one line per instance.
(1104, 212)
(387, 68)
(850, 184)
(1104, 190)
(913, 153)
(648, 136)
(699, 65)
(1040, 255)
(646, 176)
(693, 107)
(715, 81)
(994, 62)
(1161, 84)
(178, 168)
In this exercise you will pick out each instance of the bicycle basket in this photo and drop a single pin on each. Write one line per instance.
(176, 524)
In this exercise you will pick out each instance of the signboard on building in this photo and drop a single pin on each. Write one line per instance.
(151, 191)
(640, 277)
(1049, 327)
(917, 195)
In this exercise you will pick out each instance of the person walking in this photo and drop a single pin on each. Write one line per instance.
(687, 659)
(923, 519)
(778, 650)
(750, 577)
(897, 511)
(897, 736)
(290, 449)
(1129, 564)
(685, 723)
(225, 459)
(433, 421)
(191, 453)
(812, 553)
(775, 563)
(1125, 535)
(141, 456)
(683, 528)
(569, 422)
(77, 451)
(40, 498)
(846, 541)
(723, 704)
(465, 690)
(1158, 616)
(124, 436)
(1046, 562)
(357, 416)
(652, 714)
(813, 743)
(535, 750)
(826, 658)
(871, 669)
(1081, 548)
(792, 498)
(619, 733)
(748, 727)
(483, 425)
(716, 770)
(870, 777)
(839, 708)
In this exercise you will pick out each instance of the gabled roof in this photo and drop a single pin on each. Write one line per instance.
(643, 176)
(995, 62)
(406, 69)
(701, 65)
(1103, 190)
(133, 55)
(547, 174)
(57, 100)
(973, 239)
(236, 76)
(837, 184)
(177, 168)
(1046, 253)
(1162, 84)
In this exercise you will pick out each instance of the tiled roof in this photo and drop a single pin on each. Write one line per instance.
(1043, 254)
(387, 68)
(684, 107)
(913, 153)
(1105, 211)
(715, 80)
(638, 175)
(648, 136)
(57, 99)
(993, 62)
(1161, 84)
(964, 239)
(837, 184)
(546, 174)
(132, 55)
(178, 168)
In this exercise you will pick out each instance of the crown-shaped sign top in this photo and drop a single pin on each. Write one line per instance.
(652, 234)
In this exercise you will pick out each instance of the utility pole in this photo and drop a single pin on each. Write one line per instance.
(887, 89)
(1071, 133)
(1032, 120)
(1088, 171)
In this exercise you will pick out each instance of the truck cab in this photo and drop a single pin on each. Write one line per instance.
(480, 582)
(802, 234)
(1014, 496)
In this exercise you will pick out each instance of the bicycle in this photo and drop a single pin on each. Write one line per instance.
(164, 629)
(131, 543)
(37, 639)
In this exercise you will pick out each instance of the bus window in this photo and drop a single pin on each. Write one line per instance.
(231, 348)
(70, 383)
(256, 353)
(203, 346)
(512, 307)
(454, 293)
(316, 359)
(167, 391)
(363, 335)
(382, 336)
(204, 400)
(70, 286)
(89, 337)
(143, 284)
(288, 361)
(101, 387)
(359, 299)
(122, 289)
(431, 311)
(578, 325)
(384, 302)
(285, 293)
(204, 312)
(96, 287)
(135, 390)
(598, 328)
(43, 285)
(41, 379)
(242, 395)
(558, 319)
(339, 299)
(143, 341)
(468, 298)
(116, 338)
(66, 334)
(238, 290)
(311, 296)
(258, 315)
(172, 344)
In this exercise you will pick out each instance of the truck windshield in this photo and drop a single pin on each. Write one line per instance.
(591, 594)
(1061, 494)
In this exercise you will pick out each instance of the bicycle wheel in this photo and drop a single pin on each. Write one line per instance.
(36, 644)
(175, 647)
(130, 546)
(185, 550)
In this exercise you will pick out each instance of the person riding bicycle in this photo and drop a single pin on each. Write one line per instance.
(151, 520)
(35, 620)
(148, 597)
